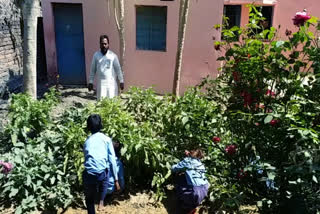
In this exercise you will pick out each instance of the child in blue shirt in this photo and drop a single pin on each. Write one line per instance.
(120, 171)
(99, 159)
(192, 184)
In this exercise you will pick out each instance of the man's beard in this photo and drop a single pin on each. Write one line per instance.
(104, 50)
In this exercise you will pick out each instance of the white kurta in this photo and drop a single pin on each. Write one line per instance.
(108, 70)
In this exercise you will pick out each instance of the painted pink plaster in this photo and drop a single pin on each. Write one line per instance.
(146, 68)
(284, 11)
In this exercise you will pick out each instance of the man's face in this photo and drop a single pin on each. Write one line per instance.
(104, 46)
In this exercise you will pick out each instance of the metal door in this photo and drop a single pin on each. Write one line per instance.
(70, 44)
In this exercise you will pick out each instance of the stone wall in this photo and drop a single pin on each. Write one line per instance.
(10, 47)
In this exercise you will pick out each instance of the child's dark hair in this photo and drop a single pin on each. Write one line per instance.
(117, 149)
(197, 153)
(94, 123)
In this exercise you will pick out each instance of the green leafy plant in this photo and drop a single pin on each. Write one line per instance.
(269, 89)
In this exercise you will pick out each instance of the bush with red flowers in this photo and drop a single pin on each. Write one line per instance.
(270, 90)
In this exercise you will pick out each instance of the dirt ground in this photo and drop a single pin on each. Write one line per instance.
(140, 203)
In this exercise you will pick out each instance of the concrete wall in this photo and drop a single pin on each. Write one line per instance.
(146, 68)
(10, 46)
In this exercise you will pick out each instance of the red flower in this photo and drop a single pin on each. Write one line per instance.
(247, 99)
(274, 122)
(242, 174)
(249, 56)
(257, 124)
(236, 76)
(300, 18)
(231, 149)
(288, 32)
(217, 47)
(216, 139)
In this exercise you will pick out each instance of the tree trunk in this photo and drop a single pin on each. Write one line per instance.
(183, 16)
(119, 17)
(31, 11)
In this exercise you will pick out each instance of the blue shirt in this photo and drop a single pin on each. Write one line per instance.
(194, 171)
(99, 155)
(120, 171)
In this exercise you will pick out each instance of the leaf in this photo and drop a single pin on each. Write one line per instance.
(259, 203)
(314, 178)
(185, 120)
(13, 192)
(14, 138)
(279, 43)
(271, 175)
(28, 182)
(19, 144)
(52, 180)
(18, 210)
(268, 119)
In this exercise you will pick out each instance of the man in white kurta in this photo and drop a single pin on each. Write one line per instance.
(105, 65)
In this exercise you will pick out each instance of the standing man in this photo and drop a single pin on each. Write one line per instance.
(106, 65)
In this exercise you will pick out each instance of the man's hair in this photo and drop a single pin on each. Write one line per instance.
(94, 123)
(104, 37)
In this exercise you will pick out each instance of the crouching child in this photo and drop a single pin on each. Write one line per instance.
(191, 182)
(120, 171)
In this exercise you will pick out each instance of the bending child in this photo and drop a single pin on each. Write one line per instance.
(99, 159)
(120, 171)
(192, 184)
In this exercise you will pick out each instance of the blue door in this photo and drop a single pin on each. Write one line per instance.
(69, 44)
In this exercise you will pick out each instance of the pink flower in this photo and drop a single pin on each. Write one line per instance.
(7, 167)
(231, 149)
(270, 93)
(186, 152)
(274, 122)
(257, 124)
(300, 18)
(216, 139)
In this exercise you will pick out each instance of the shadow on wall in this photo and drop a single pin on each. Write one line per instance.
(13, 84)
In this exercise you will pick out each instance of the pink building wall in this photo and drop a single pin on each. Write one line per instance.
(156, 68)
(284, 11)
(146, 68)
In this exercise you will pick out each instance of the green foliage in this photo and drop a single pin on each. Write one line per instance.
(264, 107)
(37, 180)
(269, 90)
(28, 117)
